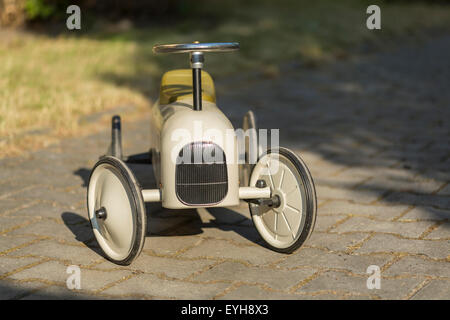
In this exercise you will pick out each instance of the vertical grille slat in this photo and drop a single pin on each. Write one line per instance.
(201, 174)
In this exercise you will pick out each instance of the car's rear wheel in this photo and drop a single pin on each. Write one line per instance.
(252, 147)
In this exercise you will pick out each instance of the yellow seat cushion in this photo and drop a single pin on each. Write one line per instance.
(177, 84)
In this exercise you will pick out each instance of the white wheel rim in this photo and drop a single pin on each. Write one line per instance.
(115, 234)
(281, 226)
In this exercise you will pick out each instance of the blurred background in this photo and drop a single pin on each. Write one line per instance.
(55, 82)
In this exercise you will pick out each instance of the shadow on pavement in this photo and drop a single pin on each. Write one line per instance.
(10, 290)
(80, 231)
(84, 174)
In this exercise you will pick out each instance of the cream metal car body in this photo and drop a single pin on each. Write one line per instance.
(180, 117)
(194, 153)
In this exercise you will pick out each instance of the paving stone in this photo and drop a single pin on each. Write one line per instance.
(58, 293)
(219, 249)
(320, 259)
(169, 226)
(174, 268)
(359, 196)
(309, 157)
(59, 196)
(437, 174)
(340, 182)
(8, 264)
(274, 278)
(49, 228)
(12, 169)
(10, 188)
(46, 271)
(366, 165)
(147, 284)
(419, 150)
(323, 223)
(341, 282)
(390, 243)
(8, 242)
(10, 223)
(7, 205)
(155, 210)
(79, 255)
(67, 179)
(324, 169)
(442, 202)
(361, 172)
(401, 184)
(376, 211)
(169, 245)
(435, 290)
(90, 280)
(246, 292)
(334, 241)
(426, 213)
(10, 290)
(418, 266)
(239, 234)
(361, 224)
(441, 232)
(417, 163)
(230, 215)
(74, 218)
(194, 226)
(62, 178)
(42, 209)
(394, 174)
(445, 191)
(320, 202)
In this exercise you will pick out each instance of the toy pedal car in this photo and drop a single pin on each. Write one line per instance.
(198, 171)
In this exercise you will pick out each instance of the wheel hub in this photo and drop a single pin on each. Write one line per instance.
(101, 213)
(278, 200)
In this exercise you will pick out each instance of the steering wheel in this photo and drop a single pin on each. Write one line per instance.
(196, 47)
(195, 51)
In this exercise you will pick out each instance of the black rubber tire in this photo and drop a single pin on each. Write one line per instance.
(134, 192)
(311, 200)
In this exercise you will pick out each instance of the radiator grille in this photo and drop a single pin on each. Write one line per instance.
(201, 174)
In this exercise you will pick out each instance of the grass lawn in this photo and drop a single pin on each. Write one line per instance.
(49, 84)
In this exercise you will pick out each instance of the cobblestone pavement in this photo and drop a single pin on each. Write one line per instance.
(374, 132)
